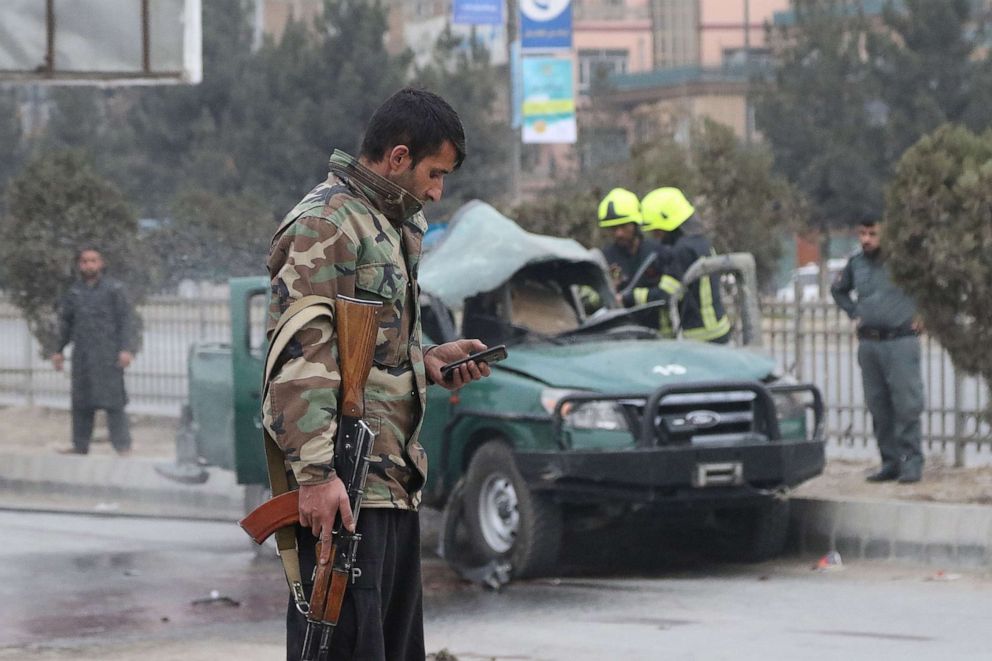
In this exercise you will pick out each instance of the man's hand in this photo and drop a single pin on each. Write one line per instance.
(319, 504)
(58, 361)
(443, 354)
(124, 358)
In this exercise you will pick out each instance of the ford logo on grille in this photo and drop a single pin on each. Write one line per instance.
(703, 419)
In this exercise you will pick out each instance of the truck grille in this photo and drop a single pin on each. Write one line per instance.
(717, 418)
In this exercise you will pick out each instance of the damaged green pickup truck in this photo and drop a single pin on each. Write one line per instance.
(590, 418)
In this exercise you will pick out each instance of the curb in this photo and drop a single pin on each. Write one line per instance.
(948, 534)
(114, 485)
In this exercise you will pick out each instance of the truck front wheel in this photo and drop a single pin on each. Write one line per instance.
(753, 534)
(770, 530)
(506, 520)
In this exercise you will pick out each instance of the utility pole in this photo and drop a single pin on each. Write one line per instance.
(511, 37)
(747, 70)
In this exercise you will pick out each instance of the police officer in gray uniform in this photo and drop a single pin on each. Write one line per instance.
(888, 353)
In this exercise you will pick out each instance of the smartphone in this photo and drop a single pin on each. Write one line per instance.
(490, 355)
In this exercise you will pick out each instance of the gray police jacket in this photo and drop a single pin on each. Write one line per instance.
(880, 303)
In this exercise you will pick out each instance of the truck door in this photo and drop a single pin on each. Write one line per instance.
(249, 307)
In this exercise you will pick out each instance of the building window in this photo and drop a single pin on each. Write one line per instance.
(598, 64)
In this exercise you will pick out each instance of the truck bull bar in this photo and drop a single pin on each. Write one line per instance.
(646, 431)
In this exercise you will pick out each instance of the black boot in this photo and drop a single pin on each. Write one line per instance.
(911, 470)
(887, 473)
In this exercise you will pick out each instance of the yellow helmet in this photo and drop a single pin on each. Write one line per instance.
(619, 207)
(665, 209)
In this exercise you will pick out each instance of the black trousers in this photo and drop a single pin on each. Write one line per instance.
(82, 429)
(382, 617)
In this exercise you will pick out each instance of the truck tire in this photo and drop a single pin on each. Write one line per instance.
(454, 543)
(505, 520)
(754, 534)
(187, 468)
(769, 530)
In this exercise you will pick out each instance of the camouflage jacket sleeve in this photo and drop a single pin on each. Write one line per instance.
(314, 256)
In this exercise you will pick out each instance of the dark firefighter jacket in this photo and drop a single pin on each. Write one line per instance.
(623, 266)
(701, 310)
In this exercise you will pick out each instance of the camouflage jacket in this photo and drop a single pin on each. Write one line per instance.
(359, 235)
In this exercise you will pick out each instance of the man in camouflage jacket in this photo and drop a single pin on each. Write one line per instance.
(359, 234)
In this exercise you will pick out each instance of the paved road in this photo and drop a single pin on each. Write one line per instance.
(81, 587)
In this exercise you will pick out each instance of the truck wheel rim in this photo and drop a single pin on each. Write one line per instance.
(499, 515)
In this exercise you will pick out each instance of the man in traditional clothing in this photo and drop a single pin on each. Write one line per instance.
(96, 318)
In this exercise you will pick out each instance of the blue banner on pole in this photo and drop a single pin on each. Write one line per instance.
(477, 12)
(548, 106)
(546, 24)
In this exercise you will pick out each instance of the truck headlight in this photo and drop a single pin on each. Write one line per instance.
(788, 405)
(790, 409)
(602, 415)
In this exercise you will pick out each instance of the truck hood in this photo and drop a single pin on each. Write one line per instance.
(634, 366)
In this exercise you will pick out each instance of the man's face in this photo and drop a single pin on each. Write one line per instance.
(870, 238)
(425, 179)
(90, 264)
(624, 235)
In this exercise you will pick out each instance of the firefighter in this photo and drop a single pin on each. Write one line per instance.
(628, 251)
(670, 219)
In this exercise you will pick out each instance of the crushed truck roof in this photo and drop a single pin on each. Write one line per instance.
(483, 249)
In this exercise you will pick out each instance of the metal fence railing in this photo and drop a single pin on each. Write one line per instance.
(816, 342)
(156, 381)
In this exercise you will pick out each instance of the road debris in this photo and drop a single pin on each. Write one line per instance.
(941, 575)
(215, 598)
(829, 562)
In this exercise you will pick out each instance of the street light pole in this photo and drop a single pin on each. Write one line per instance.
(511, 36)
(747, 70)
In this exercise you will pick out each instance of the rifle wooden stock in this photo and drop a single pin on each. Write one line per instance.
(335, 597)
(321, 582)
(357, 325)
(283, 510)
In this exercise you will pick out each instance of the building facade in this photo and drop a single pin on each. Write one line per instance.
(676, 32)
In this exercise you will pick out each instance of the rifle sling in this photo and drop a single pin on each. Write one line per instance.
(300, 313)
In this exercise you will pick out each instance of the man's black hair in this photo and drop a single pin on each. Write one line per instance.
(419, 119)
(869, 222)
(88, 247)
